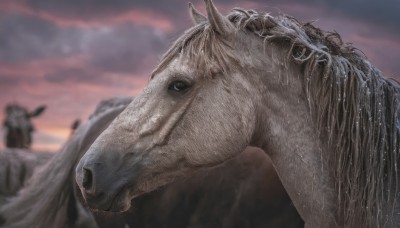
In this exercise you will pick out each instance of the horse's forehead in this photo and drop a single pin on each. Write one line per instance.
(17, 114)
(177, 67)
(18, 117)
(16, 110)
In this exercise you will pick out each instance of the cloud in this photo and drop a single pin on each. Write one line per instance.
(73, 75)
(90, 13)
(126, 48)
(383, 13)
(122, 47)
(8, 80)
(24, 38)
(96, 9)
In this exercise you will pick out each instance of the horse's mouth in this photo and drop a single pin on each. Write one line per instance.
(121, 201)
(118, 202)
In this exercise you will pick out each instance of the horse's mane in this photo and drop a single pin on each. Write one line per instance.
(355, 107)
(46, 199)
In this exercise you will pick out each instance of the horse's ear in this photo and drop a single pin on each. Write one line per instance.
(39, 110)
(196, 16)
(75, 124)
(218, 22)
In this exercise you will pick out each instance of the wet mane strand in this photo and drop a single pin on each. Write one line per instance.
(355, 107)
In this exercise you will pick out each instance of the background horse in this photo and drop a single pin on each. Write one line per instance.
(16, 167)
(226, 196)
(18, 163)
(19, 126)
(324, 114)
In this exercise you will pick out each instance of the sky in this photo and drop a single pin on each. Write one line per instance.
(71, 54)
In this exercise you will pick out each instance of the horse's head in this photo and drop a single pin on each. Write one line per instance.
(195, 112)
(19, 126)
(324, 114)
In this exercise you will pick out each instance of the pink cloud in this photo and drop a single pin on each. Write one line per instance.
(66, 101)
(143, 17)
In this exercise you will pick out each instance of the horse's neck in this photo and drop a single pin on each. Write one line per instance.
(287, 132)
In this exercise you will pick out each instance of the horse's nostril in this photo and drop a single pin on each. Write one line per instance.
(87, 179)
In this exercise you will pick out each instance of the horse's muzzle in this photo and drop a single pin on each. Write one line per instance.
(100, 187)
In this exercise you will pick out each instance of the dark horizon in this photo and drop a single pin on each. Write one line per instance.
(70, 54)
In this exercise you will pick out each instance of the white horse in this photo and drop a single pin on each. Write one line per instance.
(327, 118)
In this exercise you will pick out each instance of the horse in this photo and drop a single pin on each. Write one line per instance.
(324, 114)
(49, 198)
(17, 161)
(224, 196)
(16, 167)
(19, 126)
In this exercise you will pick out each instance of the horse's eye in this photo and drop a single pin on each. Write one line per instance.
(178, 86)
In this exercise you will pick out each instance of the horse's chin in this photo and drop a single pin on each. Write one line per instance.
(121, 202)
(118, 203)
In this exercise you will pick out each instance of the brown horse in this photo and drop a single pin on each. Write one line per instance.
(328, 119)
(19, 126)
(243, 192)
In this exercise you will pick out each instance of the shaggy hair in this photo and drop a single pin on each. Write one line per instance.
(355, 107)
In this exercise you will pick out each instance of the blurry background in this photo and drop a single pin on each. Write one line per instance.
(70, 54)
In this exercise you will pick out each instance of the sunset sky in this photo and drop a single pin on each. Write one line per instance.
(70, 54)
